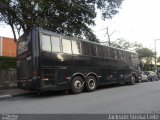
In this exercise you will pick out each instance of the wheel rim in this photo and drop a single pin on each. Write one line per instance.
(133, 79)
(91, 83)
(78, 84)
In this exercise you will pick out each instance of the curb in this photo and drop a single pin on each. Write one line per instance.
(5, 96)
(22, 94)
(16, 95)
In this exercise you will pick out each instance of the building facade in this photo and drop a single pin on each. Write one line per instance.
(7, 47)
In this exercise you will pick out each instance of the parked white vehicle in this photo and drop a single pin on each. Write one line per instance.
(151, 76)
(144, 77)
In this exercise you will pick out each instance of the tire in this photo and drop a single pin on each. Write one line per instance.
(151, 79)
(91, 84)
(77, 85)
(132, 80)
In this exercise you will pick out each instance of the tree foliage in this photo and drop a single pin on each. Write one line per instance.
(126, 45)
(7, 63)
(158, 59)
(69, 17)
(146, 54)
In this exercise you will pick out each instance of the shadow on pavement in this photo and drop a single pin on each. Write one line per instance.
(48, 94)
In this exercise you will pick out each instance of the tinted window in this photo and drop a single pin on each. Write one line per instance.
(99, 51)
(127, 56)
(55, 44)
(136, 57)
(106, 52)
(85, 49)
(24, 43)
(92, 50)
(76, 47)
(66, 44)
(115, 54)
(46, 43)
(120, 55)
(112, 53)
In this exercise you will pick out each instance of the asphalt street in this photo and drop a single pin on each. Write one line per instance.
(138, 98)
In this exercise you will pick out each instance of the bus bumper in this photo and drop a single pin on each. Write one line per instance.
(28, 84)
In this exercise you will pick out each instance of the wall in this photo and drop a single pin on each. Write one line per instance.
(8, 79)
(0, 46)
(7, 47)
(7, 75)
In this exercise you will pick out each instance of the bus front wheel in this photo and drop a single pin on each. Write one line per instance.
(77, 85)
(90, 84)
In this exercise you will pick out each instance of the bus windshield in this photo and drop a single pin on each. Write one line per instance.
(24, 43)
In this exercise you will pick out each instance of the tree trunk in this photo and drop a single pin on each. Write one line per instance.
(14, 33)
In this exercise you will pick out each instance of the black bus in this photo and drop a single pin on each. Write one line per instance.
(50, 61)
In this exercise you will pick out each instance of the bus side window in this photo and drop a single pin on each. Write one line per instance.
(106, 52)
(112, 53)
(85, 48)
(129, 56)
(99, 51)
(75, 47)
(46, 43)
(92, 50)
(120, 55)
(123, 56)
(55, 44)
(116, 54)
(66, 45)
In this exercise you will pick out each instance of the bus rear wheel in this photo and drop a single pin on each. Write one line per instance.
(90, 84)
(77, 85)
(132, 80)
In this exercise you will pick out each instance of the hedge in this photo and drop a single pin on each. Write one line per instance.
(7, 62)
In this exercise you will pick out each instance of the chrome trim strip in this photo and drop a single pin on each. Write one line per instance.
(62, 83)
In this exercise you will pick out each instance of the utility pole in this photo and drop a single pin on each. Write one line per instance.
(109, 35)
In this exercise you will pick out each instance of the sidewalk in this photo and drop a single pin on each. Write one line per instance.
(12, 93)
